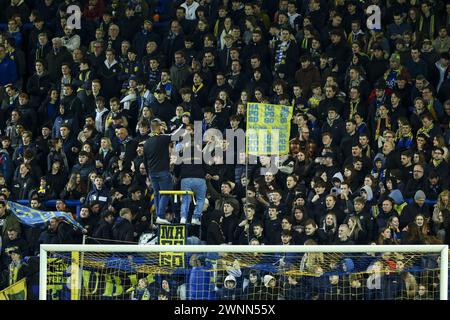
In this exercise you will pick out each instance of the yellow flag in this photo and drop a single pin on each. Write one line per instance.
(17, 291)
(268, 128)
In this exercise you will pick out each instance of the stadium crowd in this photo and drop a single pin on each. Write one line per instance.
(89, 114)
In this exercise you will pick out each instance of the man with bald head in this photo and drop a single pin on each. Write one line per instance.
(125, 147)
(56, 58)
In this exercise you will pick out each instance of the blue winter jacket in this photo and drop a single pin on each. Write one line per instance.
(8, 71)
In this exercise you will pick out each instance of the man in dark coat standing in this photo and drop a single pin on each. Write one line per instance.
(56, 58)
(104, 228)
(123, 229)
(110, 75)
(286, 53)
(157, 165)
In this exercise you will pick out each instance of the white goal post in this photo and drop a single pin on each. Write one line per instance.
(442, 250)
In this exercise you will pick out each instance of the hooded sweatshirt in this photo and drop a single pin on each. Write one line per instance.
(399, 201)
(369, 192)
(229, 293)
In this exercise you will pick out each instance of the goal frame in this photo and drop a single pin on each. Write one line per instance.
(76, 249)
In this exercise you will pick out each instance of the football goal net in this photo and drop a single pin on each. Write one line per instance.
(159, 272)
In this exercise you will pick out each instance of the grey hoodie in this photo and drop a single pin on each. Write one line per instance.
(397, 196)
(369, 192)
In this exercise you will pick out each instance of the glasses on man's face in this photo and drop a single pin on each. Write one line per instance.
(418, 171)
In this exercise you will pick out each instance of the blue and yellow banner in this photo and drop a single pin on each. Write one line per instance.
(268, 128)
(32, 217)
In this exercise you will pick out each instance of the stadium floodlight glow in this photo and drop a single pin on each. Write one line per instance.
(78, 251)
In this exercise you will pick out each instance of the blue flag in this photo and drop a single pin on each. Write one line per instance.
(32, 217)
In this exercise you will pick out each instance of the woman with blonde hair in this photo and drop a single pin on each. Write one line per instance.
(104, 155)
(328, 231)
(356, 233)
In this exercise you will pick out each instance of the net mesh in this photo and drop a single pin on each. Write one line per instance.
(242, 276)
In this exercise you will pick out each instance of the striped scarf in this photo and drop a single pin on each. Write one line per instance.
(13, 272)
(426, 131)
(152, 202)
(378, 130)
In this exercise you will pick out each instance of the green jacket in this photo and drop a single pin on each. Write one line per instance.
(10, 221)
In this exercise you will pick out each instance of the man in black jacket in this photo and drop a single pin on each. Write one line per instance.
(125, 148)
(256, 46)
(338, 50)
(58, 232)
(23, 183)
(331, 101)
(104, 228)
(110, 73)
(38, 84)
(56, 58)
(139, 206)
(418, 181)
(215, 234)
(286, 53)
(343, 238)
(157, 165)
(410, 212)
(162, 108)
(173, 42)
(72, 104)
(123, 229)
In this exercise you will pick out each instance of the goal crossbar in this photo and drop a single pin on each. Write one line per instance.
(442, 250)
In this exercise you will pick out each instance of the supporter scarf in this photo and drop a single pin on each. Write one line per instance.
(353, 37)
(280, 54)
(13, 272)
(430, 107)
(436, 163)
(426, 131)
(405, 141)
(42, 191)
(330, 122)
(314, 101)
(356, 82)
(431, 34)
(377, 131)
(353, 108)
(305, 43)
(195, 90)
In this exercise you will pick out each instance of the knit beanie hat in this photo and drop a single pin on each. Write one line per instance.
(419, 195)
